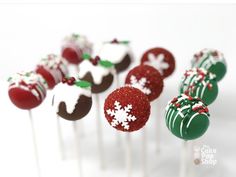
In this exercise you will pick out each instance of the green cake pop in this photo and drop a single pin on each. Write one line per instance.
(212, 60)
(187, 117)
(200, 83)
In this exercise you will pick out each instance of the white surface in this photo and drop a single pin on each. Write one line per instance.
(29, 32)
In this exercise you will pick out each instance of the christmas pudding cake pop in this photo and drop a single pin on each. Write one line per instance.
(74, 46)
(200, 83)
(27, 90)
(72, 98)
(161, 59)
(212, 60)
(97, 71)
(127, 109)
(118, 52)
(53, 68)
(187, 117)
(147, 79)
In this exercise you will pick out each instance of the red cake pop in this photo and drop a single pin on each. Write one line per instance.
(127, 109)
(27, 90)
(161, 59)
(74, 46)
(53, 68)
(147, 79)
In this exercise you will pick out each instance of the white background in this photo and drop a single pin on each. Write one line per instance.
(29, 32)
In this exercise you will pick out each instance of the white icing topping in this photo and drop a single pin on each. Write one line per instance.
(97, 72)
(157, 62)
(69, 95)
(114, 52)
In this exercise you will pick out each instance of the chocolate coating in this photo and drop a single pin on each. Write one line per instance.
(82, 108)
(124, 64)
(98, 88)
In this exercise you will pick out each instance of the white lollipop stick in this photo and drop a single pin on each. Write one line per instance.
(184, 159)
(35, 144)
(60, 139)
(77, 148)
(128, 155)
(158, 125)
(99, 132)
(144, 152)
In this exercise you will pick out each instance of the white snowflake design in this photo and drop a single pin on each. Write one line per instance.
(140, 84)
(121, 115)
(158, 62)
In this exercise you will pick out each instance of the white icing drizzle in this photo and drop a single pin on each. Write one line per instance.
(114, 52)
(157, 62)
(80, 44)
(29, 78)
(97, 71)
(69, 95)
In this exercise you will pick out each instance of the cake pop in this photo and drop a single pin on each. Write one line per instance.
(200, 83)
(212, 60)
(72, 98)
(187, 117)
(27, 90)
(74, 46)
(127, 109)
(118, 52)
(147, 79)
(53, 68)
(97, 71)
(161, 59)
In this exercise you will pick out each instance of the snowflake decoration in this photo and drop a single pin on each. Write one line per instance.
(140, 84)
(158, 62)
(121, 115)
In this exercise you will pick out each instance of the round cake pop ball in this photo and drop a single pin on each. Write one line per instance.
(72, 99)
(161, 59)
(26, 90)
(127, 109)
(147, 79)
(117, 52)
(200, 83)
(74, 46)
(97, 71)
(53, 68)
(187, 117)
(212, 60)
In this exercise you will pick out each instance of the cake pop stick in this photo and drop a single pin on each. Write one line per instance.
(77, 148)
(128, 156)
(34, 143)
(72, 101)
(127, 109)
(164, 61)
(149, 80)
(60, 139)
(101, 74)
(99, 132)
(184, 160)
(144, 153)
(27, 90)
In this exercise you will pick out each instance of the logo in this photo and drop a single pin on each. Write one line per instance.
(205, 155)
